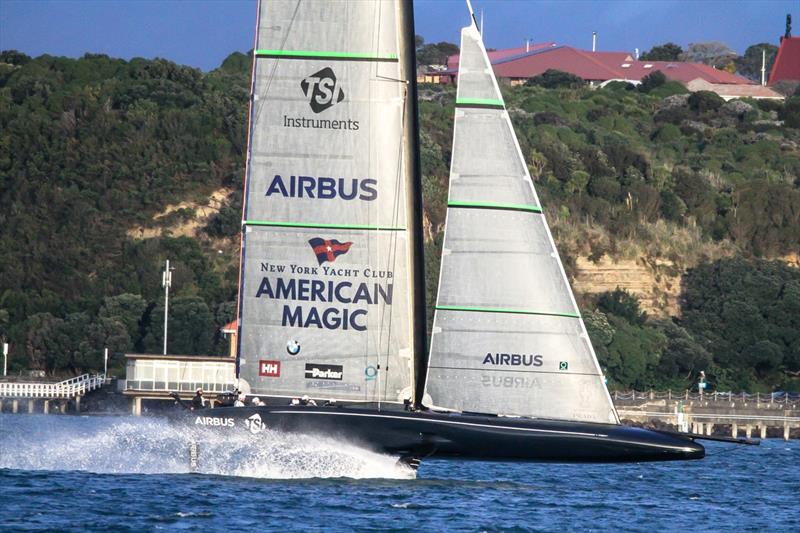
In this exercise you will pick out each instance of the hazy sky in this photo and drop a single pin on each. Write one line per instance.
(202, 33)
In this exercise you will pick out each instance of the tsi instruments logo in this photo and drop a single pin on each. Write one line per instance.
(317, 371)
(322, 90)
(255, 424)
(269, 369)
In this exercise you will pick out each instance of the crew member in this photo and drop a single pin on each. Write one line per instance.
(257, 402)
(240, 400)
(198, 402)
(305, 400)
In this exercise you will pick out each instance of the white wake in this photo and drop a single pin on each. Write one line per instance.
(152, 446)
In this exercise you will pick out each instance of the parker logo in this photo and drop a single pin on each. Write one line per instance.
(322, 90)
(328, 250)
(213, 421)
(269, 369)
(255, 424)
(315, 371)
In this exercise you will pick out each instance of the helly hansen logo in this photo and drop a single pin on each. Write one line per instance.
(316, 371)
(322, 90)
(269, 369)
(328, 250)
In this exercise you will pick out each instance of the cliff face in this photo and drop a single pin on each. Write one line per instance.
(656, 283)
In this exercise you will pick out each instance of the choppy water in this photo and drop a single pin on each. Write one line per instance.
(101, 473)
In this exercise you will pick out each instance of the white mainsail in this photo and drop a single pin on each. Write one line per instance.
(324, 293)
(507, 334)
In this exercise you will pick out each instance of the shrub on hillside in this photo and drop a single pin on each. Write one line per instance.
(703, 101)
(791, 112)
(651, 81)
(553, 79)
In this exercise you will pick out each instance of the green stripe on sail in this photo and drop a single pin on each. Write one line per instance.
(493, 205)
(492, 102)
(321, 226)
(312, 54)
(502, 310)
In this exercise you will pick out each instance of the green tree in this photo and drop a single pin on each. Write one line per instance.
(127, 310)
(190, 327)
(664, 52)
(623, 304)
(552, 79)
(749, 64)
(651, 81)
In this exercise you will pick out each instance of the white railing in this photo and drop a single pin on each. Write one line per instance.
(70, 388)
(775, 398)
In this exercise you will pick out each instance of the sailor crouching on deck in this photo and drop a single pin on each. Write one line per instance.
(198, 402)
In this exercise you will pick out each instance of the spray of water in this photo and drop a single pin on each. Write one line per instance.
(150, 446)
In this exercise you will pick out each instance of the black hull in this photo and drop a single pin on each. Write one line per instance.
(464, 436)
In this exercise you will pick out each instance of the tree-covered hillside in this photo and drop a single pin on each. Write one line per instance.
(92, 148)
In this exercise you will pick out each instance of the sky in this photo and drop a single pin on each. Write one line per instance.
(201, 33)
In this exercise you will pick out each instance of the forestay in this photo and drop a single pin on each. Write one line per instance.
(324, 304)
(507, 335)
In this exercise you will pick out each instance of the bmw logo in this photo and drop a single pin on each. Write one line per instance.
(293, 347)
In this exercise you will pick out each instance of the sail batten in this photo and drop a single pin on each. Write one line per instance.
(507, 336)
(319, 54)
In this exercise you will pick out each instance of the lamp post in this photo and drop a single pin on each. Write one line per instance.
(105, 363)
(166, 282)
(5, 358)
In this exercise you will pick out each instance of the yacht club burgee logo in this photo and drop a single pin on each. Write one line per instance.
(328, 250)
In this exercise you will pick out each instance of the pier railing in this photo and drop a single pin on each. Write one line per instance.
(790, 399)
(69, 388)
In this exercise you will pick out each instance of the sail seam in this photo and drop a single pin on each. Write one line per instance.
(321, 225)
(321, 54)
(492, 205)
(502, 310)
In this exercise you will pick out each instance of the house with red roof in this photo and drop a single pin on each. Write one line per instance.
(787, 61)
(518, 65)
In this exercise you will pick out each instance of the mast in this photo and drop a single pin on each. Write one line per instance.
(412, 166)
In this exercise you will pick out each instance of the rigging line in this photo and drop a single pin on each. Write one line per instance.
(391, 260)
(271, 76)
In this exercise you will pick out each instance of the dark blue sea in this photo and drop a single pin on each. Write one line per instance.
(132, 474)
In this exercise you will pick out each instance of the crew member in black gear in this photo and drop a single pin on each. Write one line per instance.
(198, 402)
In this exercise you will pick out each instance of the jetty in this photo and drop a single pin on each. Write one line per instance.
(717, 413)
(62, 393)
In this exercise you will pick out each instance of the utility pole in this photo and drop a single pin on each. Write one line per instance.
(166, 282)
(763, 66)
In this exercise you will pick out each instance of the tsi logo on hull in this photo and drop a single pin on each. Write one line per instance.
(255, 424)
(317, 371)
(322, 90)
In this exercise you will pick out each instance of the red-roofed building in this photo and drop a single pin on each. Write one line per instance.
(517, 66)
(495, 55)
(231, 330)
(787, 62)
